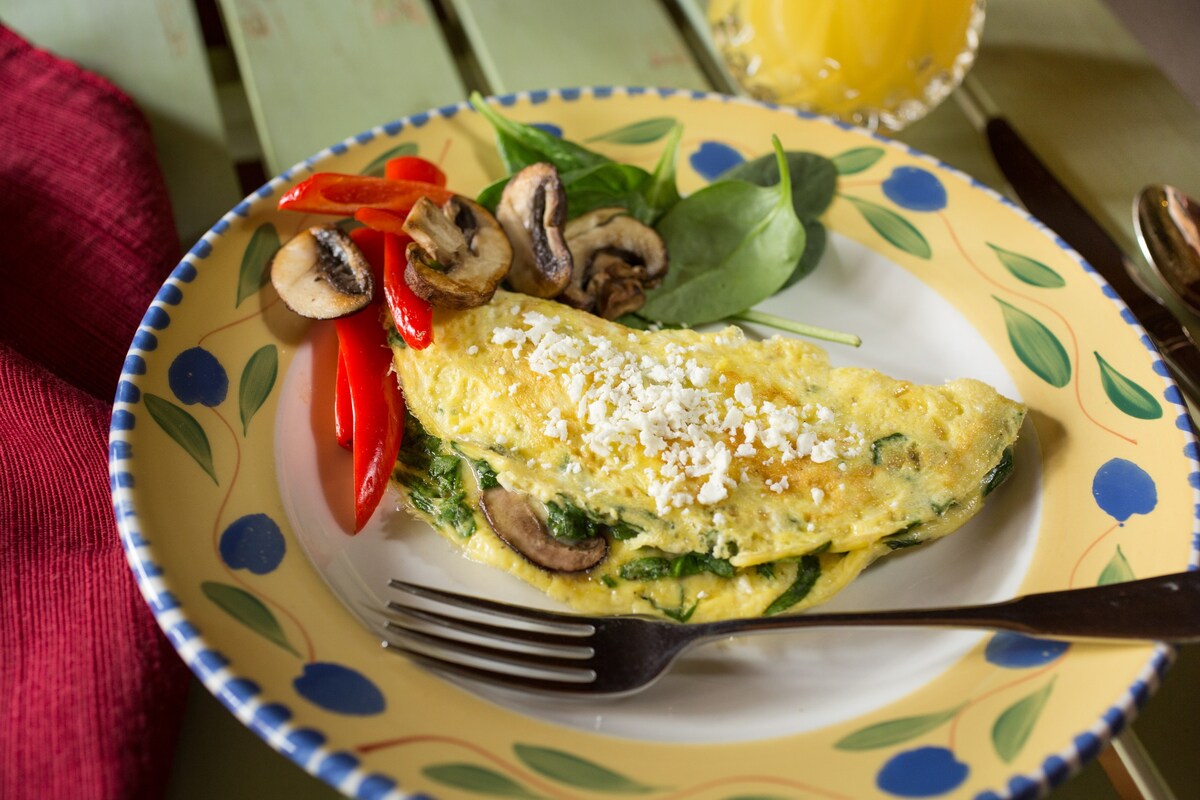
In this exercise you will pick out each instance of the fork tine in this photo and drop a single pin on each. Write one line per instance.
(522, 659)
(570, 624)
(562, 644)
(507, 680)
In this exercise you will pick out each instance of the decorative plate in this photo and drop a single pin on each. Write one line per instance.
(232, 502)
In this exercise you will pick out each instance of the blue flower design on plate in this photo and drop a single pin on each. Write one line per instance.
(714, 159)
(340, 689)
(923, 772)
(195, 376)
(915, 189)
(1122, 489)
(1017, 651)
(253, 542)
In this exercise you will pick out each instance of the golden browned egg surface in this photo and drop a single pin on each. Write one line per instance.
(732, 476)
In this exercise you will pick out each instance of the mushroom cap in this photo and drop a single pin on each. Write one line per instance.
(321, 274)
(515, 521)
(532, 210)
(616, 258)
(458, 255)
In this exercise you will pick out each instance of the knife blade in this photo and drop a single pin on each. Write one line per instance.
(1047, 199)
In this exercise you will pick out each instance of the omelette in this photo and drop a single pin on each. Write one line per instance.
(695, 476)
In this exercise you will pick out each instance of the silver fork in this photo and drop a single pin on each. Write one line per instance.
(567, 654)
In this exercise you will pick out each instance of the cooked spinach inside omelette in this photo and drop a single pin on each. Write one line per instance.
(693, 475)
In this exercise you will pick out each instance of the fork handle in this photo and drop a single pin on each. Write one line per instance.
(1164, 608)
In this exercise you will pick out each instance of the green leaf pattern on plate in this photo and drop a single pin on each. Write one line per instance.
(894, 228)
(184, 429)
(1013, 727)
(258, 378)
(253, 274)
(1117, 570)
(1127, 395)
(248, 610)
(895, 731)
(642, 132)
(1026, 269)
(857, 160)
(577, 772)
(1036, 346)
(376, 167)
(474, 778)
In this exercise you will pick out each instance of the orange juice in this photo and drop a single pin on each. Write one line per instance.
(870, 62)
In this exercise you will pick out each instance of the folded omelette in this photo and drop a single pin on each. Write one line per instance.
(692, 475)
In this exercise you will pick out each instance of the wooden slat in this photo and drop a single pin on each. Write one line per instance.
(316, 72)
(543, 44)
(154, 52)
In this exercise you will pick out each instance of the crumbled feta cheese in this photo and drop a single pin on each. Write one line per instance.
(818, 494)
(472, 350)
(668, 409)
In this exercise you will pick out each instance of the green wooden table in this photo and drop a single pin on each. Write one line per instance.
(238, 90)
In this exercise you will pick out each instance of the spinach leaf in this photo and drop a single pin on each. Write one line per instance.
(815, 239)
(732, 244)
(814, 179)
(806, 577)
(607, 185)
(653, 568)
(814, 183)
(999, 473)
(679, 614)
(662, 193)
(521, 145)
(569, 523)
(648, 568)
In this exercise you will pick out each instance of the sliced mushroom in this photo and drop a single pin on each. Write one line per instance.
(532, 210)
(458, 255)
(616, 259)
(321, 274)
(514, 519)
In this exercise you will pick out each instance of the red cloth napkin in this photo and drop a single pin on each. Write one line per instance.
(91, 693)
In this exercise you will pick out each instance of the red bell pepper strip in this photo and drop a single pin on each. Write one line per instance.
(382, 221)
(374, 394)
(413, 168)
(342, 195)
(343, 409)
(413, 315)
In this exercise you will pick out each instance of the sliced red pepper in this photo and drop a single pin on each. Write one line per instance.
(343, 410)
(334, 193)
(413, 168)
(413, 315)
(375, 396)
(382, 221)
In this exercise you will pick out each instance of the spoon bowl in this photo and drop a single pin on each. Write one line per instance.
(1167, 222)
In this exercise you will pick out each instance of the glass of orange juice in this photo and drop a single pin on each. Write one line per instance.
(874, 63)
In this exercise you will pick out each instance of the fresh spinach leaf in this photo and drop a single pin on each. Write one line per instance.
(608, 185)
(815, 239)
(814, 179)
(521, 145)
(807, 573)
(814, 183)
(662, 193)
(732, 244)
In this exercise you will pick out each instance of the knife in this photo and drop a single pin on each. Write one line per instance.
(1047, 199)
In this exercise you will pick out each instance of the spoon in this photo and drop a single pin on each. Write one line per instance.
(1168, 229)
